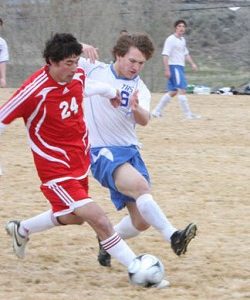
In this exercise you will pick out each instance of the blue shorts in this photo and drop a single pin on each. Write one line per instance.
(177, 78)
(104, 161)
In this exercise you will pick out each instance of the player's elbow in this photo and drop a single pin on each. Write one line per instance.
(143, 121)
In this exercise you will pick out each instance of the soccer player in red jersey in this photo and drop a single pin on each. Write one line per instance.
(51, 104)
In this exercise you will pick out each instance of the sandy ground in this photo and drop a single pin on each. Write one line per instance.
(200, 172)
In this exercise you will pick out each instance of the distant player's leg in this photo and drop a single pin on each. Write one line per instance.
(165, 99)
(181, 84)
(157, 111)
(183, 100)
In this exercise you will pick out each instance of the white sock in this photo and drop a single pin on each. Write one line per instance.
(165, 99)
(117, 248)
(183, 100)
(126, 229)
(39, 223)
(154, 216)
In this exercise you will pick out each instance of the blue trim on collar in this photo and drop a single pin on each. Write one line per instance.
(119, 77)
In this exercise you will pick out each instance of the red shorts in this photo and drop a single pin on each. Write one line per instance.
(67, 195)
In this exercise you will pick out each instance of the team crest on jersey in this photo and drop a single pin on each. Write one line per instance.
(65, 91)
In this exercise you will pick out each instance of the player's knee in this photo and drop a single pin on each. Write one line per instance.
(172, 94)
(141, 225)
(69, 219)
(142, 186)
(104, 223)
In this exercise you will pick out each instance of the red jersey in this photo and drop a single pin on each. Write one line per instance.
(53, 115)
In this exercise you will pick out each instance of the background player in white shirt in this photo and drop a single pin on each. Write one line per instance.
(116, 160)
(174, 54)
(4, 57)
(51, 104)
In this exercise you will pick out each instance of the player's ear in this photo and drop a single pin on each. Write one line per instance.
(51, 62)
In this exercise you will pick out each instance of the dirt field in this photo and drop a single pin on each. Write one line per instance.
(200, 172)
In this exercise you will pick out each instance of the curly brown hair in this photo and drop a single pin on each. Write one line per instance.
(141, 41)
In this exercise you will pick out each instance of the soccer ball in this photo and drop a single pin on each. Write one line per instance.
(146, 270)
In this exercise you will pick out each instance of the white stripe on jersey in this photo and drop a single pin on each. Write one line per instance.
(39, 124)
(44, 155)
(43, 93)
(23, 95)
(61, 179)
(33, 146)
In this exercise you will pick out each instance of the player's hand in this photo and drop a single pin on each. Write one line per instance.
(116, 101)
(134, 101)
(2, 83)
(90, 52)
(194, 67)
(167, 73)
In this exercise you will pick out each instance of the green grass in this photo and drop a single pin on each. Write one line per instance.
(218, 77)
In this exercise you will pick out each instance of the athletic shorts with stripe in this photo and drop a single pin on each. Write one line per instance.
(177, 78)
(67, 195)
(107, 159)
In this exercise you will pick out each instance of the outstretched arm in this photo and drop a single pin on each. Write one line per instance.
(94, 87)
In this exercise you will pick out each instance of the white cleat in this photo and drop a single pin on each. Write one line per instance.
(162, 285)
(156, 114)
(18, 241)
(193, 117)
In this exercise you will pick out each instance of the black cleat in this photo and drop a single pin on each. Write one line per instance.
(104, 257)
(181, 238)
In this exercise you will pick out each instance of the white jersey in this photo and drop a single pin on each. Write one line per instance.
(4, 53)
(109, 126)
(175, 48)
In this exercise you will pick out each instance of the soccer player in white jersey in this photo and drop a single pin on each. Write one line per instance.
(4, 57)
(175, 53)
(116, 160)
(50, 103)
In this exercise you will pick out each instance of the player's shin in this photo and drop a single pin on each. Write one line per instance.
(126, 229)
(117, 248)
(154, 216)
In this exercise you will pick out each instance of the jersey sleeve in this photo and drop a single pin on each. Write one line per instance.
(15, 107)
(167, 48)
(94, 87)
(87, 66)
(144, 95)
(4, 53)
